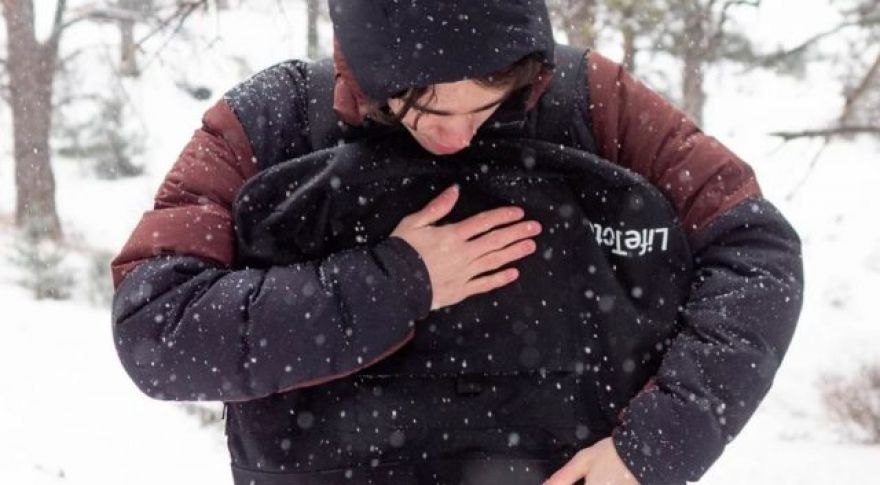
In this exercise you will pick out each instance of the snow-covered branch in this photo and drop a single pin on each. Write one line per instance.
(828, 132)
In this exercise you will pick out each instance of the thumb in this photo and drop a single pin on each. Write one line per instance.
(438, 207)
(576, 468)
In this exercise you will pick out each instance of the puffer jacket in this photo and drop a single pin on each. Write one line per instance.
(659, 305)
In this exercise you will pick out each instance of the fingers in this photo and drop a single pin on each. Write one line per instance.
(494, 261)
(505, 236)
(482, 222)
(501, 257)
(456, 254)
(576, 469)
(488, 283)
(437, 208)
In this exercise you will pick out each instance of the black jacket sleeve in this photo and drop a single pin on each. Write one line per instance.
(737, 325)
(190, 324)
(187, 329)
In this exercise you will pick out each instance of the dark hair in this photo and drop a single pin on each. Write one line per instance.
(515, 76)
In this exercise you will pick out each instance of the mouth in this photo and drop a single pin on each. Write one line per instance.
(441, 149)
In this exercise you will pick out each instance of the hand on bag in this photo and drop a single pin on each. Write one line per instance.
(455, 255)
(598, 465)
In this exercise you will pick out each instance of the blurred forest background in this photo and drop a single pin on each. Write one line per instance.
(37, 85)
(82, 84)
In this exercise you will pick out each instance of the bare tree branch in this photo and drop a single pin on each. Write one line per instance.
(113, 13)
(73, 98)
(63, 61)
(770, 59)
(717, 37)
(814, 162)
(185, 9)
(87, 14)
(828, 132)
(60, 7)
(57, 26)
(99, 12)
(860, 90)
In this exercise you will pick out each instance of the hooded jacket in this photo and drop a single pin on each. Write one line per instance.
(300, 346)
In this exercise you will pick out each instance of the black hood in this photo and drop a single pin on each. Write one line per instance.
(394, 45)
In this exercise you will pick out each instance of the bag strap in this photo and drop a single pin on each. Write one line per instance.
(325, 129)
(563, 115)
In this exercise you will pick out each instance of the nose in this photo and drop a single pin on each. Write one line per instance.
(456, 131)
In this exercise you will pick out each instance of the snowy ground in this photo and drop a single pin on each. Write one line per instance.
(69, 414)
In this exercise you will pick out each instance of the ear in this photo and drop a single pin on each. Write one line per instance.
(349, 101)
(542, 80)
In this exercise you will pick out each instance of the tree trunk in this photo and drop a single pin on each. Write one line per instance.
(583, 29)
(31, 68)
(578, 18)
(694, 57)
(629, 48)
(312, 9)
(629, 27)
(128, 53)
(693, 93)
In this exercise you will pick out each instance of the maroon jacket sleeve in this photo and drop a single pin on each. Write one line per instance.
(747, 285)
(191, 214)
(637, 128)
(189, 325)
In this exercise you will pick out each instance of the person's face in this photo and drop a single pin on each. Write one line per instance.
(446, 123)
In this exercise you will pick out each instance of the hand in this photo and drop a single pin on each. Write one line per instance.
(454, 259)
(598, 465)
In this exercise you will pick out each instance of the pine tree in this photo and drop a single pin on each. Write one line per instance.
(39, 260)
(636, 20)
(701, 33)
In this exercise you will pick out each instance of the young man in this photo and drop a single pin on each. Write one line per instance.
(288, 347)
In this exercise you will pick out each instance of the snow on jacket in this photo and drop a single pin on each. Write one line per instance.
(191, 322)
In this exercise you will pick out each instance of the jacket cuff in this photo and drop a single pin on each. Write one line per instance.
(663, 443)
(406, 268)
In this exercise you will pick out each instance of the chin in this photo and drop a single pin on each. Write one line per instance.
(438, 149)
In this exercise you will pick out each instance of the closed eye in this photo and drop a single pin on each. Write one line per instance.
(439, 112)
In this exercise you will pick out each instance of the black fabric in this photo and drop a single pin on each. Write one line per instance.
(582, 322)
(293, 313)
(393, 45)
(561, 116)
(272, 109)
(366, 422)
(738, 323)
(473, 471)
(325, 129)
(186, 329)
